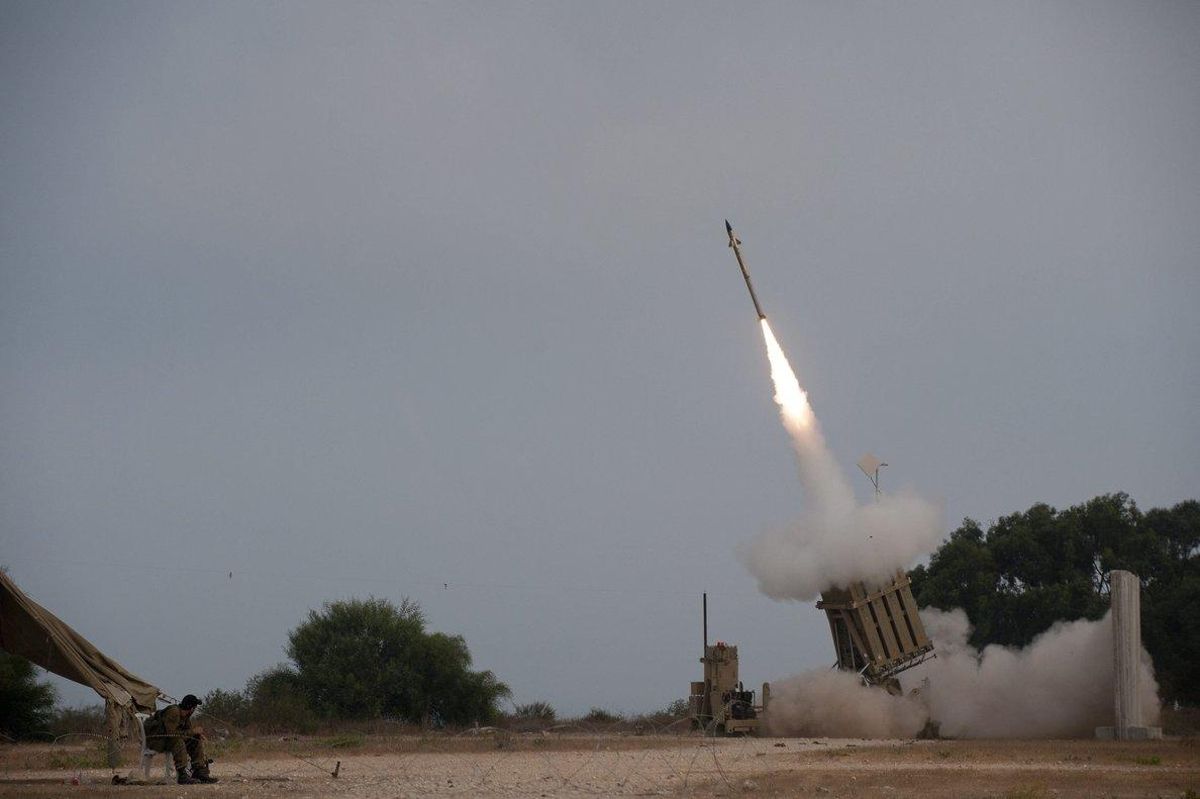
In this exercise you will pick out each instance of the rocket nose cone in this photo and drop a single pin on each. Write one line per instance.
(728, 227)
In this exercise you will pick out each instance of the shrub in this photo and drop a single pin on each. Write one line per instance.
(536, 711)
(367, 659)
(26, 705)
(677, 709)
(225, 707)
(599, 715)
(88, 720)
(277, 702)
(666, 716)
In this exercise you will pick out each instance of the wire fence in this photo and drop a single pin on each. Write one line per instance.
(577, 758)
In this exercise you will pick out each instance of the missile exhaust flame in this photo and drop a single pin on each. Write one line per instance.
(792, 400)
(836, 541)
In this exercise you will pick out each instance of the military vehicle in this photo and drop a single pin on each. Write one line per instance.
(720, 703)
(877, 633)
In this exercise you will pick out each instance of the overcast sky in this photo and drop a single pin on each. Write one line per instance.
(301, 302)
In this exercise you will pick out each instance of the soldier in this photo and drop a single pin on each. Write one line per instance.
(170, 730)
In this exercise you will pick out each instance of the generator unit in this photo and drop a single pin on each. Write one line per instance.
(720, 704)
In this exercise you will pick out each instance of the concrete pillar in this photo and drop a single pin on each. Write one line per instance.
(1127, 648)
(1125, 593)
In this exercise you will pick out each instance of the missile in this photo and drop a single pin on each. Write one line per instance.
(734, 242)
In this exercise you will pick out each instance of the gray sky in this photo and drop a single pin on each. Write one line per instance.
(367, 299)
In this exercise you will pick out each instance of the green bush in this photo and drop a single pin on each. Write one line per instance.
(277, 702)
(536, 711)
(677, 709)
(225, 707)
(367, 659)
(363, 661)
(26, 705)
(666, 716)
(88, 720)
(599, 715)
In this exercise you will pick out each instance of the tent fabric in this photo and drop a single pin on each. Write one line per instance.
(29, 630)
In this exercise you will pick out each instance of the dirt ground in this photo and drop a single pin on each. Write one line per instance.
(603, 765)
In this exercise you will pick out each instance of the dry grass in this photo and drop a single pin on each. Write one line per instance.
(1184, 722)
(504, 764)
(1003, 769)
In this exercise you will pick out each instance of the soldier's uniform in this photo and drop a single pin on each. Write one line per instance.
(169, 730)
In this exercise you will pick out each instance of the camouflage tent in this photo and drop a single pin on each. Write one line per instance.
(29, 630)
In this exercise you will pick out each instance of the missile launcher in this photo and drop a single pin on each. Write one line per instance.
(876, 630)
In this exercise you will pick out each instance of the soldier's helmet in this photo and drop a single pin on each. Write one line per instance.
(190, 701)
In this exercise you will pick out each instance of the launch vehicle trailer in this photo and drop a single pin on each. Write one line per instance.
(877, 631)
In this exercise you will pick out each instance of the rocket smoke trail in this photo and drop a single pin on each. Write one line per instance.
(1038, 691)
(818, 470)
(837, 541)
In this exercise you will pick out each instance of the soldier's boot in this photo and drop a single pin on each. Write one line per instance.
(183, 778)
(200, 773)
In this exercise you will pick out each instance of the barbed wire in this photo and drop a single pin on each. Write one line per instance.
(576, 758)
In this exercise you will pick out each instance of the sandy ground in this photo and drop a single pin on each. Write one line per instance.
(541, 766)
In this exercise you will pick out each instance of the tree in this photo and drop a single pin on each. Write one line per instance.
(26, 705)
(1040, 566)
(961, 574)
(277, 701)
(448, 689)
(368, 658)
(1171, 603)
(226, 707)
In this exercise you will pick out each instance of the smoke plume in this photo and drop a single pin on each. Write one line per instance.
(837, 704)
(836, 541)
(1059, 686)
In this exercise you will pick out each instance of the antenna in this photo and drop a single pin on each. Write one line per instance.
(870, 466)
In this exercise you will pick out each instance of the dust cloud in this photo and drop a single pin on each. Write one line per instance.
(1061, 685)
(832, 703)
